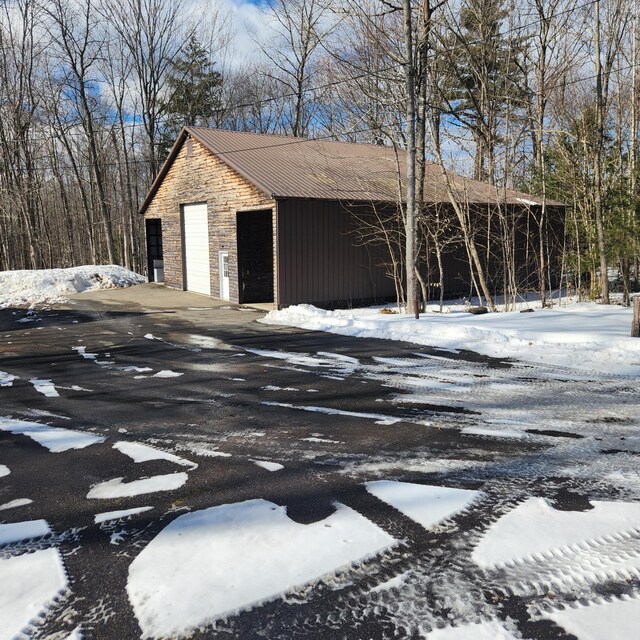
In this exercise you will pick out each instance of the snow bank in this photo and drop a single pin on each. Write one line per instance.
(588, 336)
(28, 288)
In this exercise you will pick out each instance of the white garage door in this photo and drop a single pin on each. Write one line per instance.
(196, 249)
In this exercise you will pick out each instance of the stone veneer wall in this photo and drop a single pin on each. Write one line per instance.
(197, 177)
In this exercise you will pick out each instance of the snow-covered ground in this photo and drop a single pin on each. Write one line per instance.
(587, 336)
(28, 288)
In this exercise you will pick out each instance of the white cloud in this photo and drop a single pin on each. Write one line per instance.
(245, 23)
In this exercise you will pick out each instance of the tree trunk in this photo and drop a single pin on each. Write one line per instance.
(410, 224)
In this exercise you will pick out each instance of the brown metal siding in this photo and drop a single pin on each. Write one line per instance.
(319, 262)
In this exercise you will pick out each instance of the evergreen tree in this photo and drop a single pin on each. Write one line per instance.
(483, 74)
(192, 92)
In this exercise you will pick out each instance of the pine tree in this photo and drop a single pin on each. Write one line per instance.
(193, 92)
(484, 73)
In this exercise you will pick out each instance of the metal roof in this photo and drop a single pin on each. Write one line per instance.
(285, 167)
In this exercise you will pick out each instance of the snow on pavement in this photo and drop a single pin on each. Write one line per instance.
(115, 488)
(601, 621)
(36, 580)
(336, 363)
(427, 505)
(491, 630)
(167, 373)
(269, 466)
(142, 453)
(18, 502)
(45, 387)
(17, 531)
(107, 516)
(219, 561)
(6, 379)
(378, 418)
(587, 336)
(535, 527)
(53, 438)
(4, 470)
(27, 288)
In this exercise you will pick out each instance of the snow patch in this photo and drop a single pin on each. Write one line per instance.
(6, 379)
(208, 342)
(493, 433)
(45, 387)
(142, 453)
(166, 373)
(16, 531)
(222, 560)
(427, 505)
(82, 351)
(53, 438)
(378, 418)
(116, 515)
(535, 527)
(603, 621)
(491, 630)
(269, 466)
(12, 504)
(323, 440)
(30, 582)
(115, 488)
(4, 470)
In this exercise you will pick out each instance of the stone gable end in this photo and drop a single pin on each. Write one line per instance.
(197, 176)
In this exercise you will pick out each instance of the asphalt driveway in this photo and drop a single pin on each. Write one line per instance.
(303, 420)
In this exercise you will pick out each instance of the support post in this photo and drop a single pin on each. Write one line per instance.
(635, 324)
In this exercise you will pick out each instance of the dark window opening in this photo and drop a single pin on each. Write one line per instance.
(154, 246)
(255, 256)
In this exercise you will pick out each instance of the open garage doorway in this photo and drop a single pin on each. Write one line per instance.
(255, 256)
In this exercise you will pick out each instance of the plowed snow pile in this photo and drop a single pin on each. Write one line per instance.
(587, 336)
(28, 288)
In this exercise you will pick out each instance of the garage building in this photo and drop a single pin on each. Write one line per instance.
(255, 218)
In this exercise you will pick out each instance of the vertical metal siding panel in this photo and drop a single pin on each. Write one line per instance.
(305, 216)
(319, 275)
(288, 239)
(327, 271)
(342, 271)
(295, 248)
(346, 267)
(316, 281)
(297, 245)
(334, 266)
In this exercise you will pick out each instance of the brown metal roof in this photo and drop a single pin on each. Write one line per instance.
(285, 167)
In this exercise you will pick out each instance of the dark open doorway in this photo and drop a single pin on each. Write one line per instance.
(154, 247)
(255, 256)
